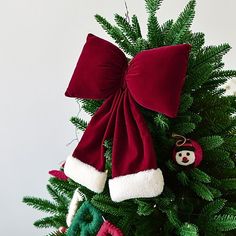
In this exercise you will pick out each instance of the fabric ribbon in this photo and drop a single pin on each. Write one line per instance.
(153, 79)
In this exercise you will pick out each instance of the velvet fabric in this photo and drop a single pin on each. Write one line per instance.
(153, 79)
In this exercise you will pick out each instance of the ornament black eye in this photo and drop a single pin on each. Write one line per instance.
(180, 154)
(188, 154)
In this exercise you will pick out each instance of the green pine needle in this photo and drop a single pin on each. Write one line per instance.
(126, 27)
(79, 123)
(136, 26)
(224, 222)
(50, 222)
(211, 142)
(188, 230)
(200, 175)
(41, 204)
(182, 24)
(153, 6)
(202, 191)
(213, 208)
(155, 37)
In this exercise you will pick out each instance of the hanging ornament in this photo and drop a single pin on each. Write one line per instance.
(109, 229)
(74, 205)
(87, 221)
(62, 229)
(187, 151)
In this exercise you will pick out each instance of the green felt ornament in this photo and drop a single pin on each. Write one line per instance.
(87, 221)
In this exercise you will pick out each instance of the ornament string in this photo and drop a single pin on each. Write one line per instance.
(181, 140)
(127, 12)
(76, 130)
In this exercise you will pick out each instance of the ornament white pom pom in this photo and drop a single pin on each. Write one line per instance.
(74, 204)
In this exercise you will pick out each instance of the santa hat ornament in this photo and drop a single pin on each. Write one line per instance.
(187, 152)
(153, 79)
(76, 201)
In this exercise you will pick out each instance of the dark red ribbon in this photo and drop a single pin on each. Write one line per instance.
(153, 79)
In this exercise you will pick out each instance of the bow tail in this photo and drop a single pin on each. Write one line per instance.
(87, 163)
(134, 168)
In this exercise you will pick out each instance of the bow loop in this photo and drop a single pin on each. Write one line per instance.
(155, 78)
(99, 71)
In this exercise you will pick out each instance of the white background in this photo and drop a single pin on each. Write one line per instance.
(40, 42)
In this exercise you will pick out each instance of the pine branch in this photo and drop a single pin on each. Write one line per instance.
(155, 37)
(90, 106)
(161, 121)
(185, 103)
(117, 35)
(200, 176)
(197, 76)
(136, 26)
(224, 222)
(197, 41)
(228, 184)
(230, 143)
(79, 123)
(183, 178)
(41, 204)
(144, 208)
(104, 23)
(59, 198)
(50, 222)
(152, 6)
(220, 158)
(213, 208)
(202, 191)
(125, 27)
(140, 45)
(188, 230)
(105, 204)
(182, 24)
(223, 74)
(212, 54)
(211, 142)
(165, 27)
(173, 218)
(62, 187)
(184, 128)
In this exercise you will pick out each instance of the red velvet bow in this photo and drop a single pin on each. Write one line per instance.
(154, 79)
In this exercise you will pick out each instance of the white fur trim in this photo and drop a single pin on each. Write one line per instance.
(144, 184)
(85, 174)
(73, 207)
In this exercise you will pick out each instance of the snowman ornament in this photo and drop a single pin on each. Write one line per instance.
(187, 152)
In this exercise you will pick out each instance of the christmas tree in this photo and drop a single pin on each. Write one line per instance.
(195, 150)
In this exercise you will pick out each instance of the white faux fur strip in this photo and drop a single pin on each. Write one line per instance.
(73, 207)
(85, 174)
(144, 184)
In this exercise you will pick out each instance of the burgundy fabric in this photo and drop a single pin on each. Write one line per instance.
(99, 70)
(108, 229)
(59, 174)
(154, 79)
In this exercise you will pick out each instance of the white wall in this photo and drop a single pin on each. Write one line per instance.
(40, 42)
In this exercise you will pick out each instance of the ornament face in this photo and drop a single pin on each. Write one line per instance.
(188, 153)
(185, 157)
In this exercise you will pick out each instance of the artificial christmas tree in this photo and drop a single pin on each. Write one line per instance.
(139, 102)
